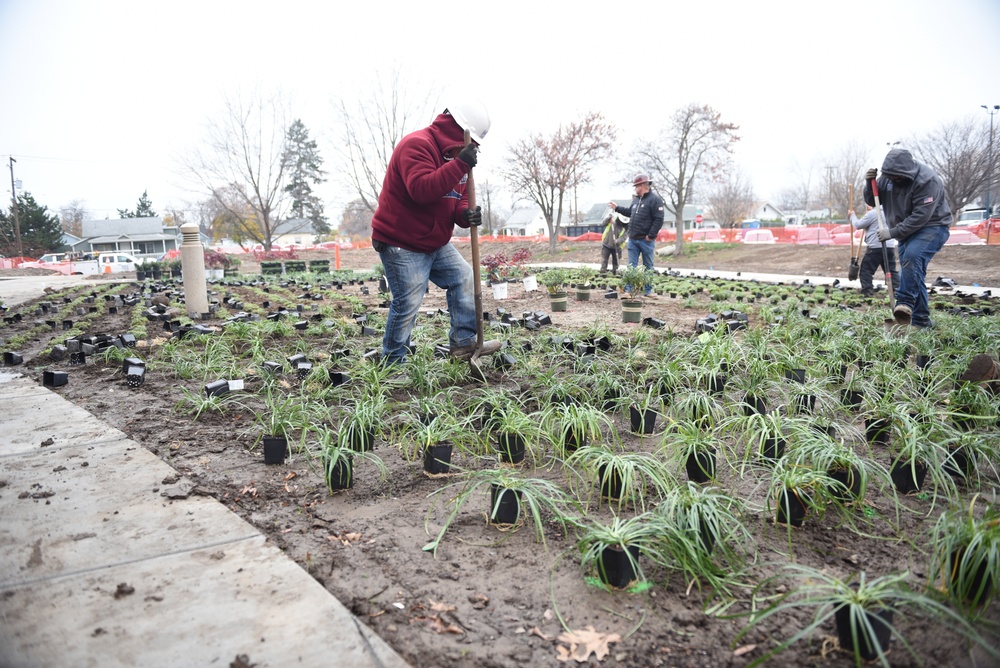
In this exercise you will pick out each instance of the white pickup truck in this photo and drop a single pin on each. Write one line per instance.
(106, 263)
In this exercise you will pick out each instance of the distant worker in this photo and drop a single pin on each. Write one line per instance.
(612, 241)
(423, 197)
(918, 216)
(873, 258)
(645, 220)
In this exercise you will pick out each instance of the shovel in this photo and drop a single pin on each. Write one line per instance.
(470, 189)
(854, 269)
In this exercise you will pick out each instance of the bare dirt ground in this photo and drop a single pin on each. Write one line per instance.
(494, 598)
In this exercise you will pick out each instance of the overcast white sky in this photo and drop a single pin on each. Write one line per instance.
(100, 97)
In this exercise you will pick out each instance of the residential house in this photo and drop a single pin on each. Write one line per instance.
(140, 237)
(295, 232)
(526, 222)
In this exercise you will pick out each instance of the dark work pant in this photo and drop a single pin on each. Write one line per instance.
(609, 253)
(872, 261)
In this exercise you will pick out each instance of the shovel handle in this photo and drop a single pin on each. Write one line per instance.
(470, 189)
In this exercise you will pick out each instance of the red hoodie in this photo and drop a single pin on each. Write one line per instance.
(423, 193)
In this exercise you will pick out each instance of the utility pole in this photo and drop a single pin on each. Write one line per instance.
(829, 194)
(13, 204)
(989, 182)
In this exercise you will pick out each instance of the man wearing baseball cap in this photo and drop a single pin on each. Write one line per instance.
(645, 220)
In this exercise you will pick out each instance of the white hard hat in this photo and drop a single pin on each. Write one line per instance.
(471, 115)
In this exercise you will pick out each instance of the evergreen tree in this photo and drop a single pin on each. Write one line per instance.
(303, 165)
(143, 209)
(41, 232)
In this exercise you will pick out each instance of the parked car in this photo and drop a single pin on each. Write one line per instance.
(971, 217)
(764, 236)
(814, 236)
(964, 237)
(711, 236)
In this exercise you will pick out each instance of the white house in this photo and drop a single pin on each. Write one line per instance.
(526, 222)
(141, 237)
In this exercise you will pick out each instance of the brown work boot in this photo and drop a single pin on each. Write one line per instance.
(903, 314)
(489, 347)
(983, 369)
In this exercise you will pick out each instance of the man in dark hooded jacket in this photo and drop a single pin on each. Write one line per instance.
(423, 197)
(918, 216)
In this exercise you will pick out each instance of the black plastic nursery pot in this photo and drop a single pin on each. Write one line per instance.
(643, 421)
(505, 505)
(700, 465)
(851, 398)
(754, 404)
(960, 463)
(275, 449)
(717, 384)
(339, 475)
(362, 441)
(437, 458)
(54, 378)
(617, 567)
(975, 588)
(511, 448)
(773, 448)
(789, 508)
(848, 629)
(877, 430)
(849, 489)
(907, 478)
(610, 482)
(11, 358)
(796, 375)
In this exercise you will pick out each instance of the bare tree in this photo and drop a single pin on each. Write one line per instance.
(543, 169)
(71, 217)
(845, 176)
(696, 143)
(370, 130)
(240, 164)
(356, 220)
(493, 216)
(732, 200)
(959, 153)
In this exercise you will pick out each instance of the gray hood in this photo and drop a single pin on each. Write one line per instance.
(898, 162)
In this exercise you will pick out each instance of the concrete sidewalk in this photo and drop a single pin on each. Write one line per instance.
(98, 567)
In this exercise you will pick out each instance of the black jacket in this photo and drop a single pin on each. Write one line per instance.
(645, 216)
(909, 207)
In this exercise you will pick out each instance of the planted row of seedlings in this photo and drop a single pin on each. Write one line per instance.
(654, 451)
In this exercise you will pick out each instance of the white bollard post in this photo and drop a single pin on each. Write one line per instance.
(193, 269)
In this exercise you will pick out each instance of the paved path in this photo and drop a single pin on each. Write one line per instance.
(100, 567)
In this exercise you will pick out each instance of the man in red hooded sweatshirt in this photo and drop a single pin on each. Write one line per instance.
(423, 197)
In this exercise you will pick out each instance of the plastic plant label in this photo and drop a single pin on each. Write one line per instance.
(236, 384)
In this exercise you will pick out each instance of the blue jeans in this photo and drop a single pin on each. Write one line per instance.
(408, 273)
(915, 253)
(644, 247)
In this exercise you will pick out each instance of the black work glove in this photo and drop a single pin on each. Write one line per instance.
(870, 174)
(468, 155)
(474, 217)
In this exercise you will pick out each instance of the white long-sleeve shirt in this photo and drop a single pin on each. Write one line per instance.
(869, 223)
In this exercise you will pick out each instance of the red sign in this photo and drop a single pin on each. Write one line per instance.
(698, 219)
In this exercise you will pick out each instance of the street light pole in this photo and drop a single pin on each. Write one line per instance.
(13, 204)
(989, 182)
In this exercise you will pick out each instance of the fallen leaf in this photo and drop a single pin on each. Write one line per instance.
(291, 474)
(535, 631)
(479, 601)
(740, 651)
(583, 642)
(398, 605)
(438, 625)
(377, 614)
(353, 537)
(440, 607)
